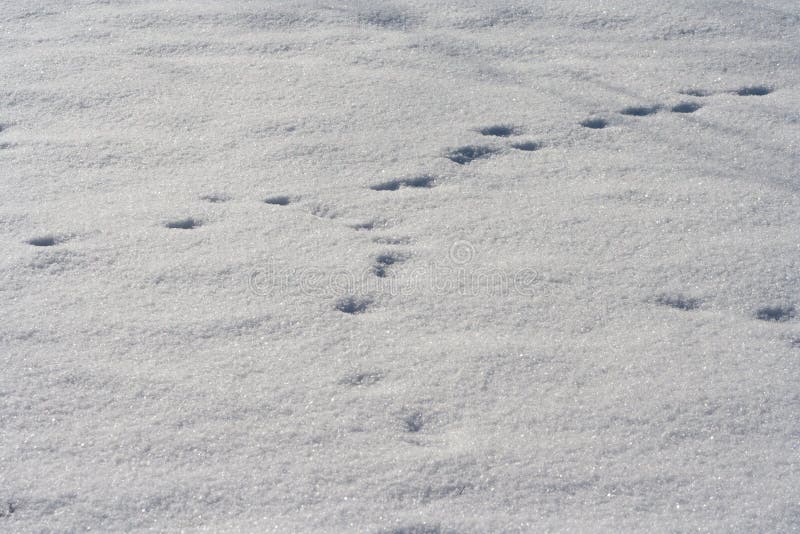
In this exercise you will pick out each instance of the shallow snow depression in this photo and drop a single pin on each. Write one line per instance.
(400, 267)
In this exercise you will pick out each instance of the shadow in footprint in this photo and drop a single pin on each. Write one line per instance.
(595, 124)
(679, 302)
(695, 92)
(424, 181)
(184, 224)
(413, 422)
(383, 261)
(353, 305)
(500, 130)
(686, 107)
(776, 313)
(278, 200)
(44, 241)
(640, 111)
(468, 154)
(527, 146)
(755, 90)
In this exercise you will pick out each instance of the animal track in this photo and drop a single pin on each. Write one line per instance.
(679, 302)
(695, 92)
(528, 146)
(361, 379)
(353, 304)
(383, 261)
(184, 224)
(215, 198)
(686, 107)
(500, 130)
(595, 124)
(44, 241)
(640, 111)
(8, 509)
(278, 200)
(470, 153)
(413, 422)
(755, 90)
(424, 180)
(776, 313)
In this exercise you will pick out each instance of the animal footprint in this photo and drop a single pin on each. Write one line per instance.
(425, 181)
(527, 146)
(776, 313)
(413, 422)
(679, 302)
(184, 224)
(640, 111)
(353, 304)
(686, 107)
(468, 154)
(695, 92)
(754, 90)
(500, 130)
(383, 261)
(278, 200)
(45, 241)
(595, 124)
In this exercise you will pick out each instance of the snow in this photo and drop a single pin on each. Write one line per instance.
(403, 267)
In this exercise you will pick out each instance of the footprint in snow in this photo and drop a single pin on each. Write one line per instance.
(594, 124)
(695, 92)
(679, 302)
(45, 241)
(184, 224)
(500, 130)
(527, 146)
(384, 261)
(754, 90)
(278, 200)
(353, 305)
(423, 181)
(686, 107)
(776, 313)
(467, 154)
(640, 111)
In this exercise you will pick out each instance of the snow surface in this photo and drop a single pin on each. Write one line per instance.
(440, 267)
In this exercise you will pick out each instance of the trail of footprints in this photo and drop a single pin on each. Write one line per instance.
(464, 155)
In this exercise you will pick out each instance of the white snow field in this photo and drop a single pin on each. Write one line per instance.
(400, 267)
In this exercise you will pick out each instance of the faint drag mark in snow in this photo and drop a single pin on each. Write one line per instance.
(215, 198)
(686, 107)
(776, 313)
(278, 200)
(679, 302)
(353, 305)
(383, 261)
(595, 124)
(500, 130)
(469, 153)
(385, 15)
(45, 241)
(640, 111)
(527, 146)
(754, 90)
(361, 379)
(184, 224)
(423, 181)
(695, 92)
(368, 225)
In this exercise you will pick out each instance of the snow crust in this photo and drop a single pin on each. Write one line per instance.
(407, 267)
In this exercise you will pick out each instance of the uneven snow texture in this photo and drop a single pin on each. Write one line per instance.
(400, 267)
